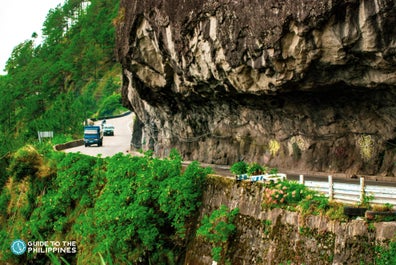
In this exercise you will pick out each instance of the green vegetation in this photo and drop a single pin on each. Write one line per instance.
(255, 169)
(59, 83)
(291, 195)
(120, 210)
(55, 86)
(25, 162)
(239, 168)
(267, 226)
(386, 255)
(367, 198)
(217, 229)
(251, 169)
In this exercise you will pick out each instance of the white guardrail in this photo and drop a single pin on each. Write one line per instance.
(343, 192)
(353, 193)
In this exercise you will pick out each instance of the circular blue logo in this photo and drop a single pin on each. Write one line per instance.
(18, 247)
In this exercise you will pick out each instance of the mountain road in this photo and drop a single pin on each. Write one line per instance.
(119, 143)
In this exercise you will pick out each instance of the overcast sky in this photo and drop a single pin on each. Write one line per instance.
(18, 20)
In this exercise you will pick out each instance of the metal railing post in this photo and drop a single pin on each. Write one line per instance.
(331, 188)
(362, 190)
(302, 181)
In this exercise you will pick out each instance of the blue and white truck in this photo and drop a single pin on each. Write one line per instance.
(93, 135)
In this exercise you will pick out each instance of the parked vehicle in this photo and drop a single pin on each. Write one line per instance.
(93, 135)
(108, 129)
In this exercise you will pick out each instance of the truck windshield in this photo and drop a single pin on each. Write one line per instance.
(90, 131)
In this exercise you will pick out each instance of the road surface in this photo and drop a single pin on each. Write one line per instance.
(119, 143)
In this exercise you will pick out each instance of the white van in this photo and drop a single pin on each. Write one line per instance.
(108, 129)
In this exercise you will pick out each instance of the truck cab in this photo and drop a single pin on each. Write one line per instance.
(93, 135)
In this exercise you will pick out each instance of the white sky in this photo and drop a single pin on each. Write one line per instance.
(18, 20)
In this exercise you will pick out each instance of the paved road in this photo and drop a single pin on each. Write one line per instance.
(111, 144)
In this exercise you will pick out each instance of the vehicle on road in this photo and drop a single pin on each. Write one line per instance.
(93, 135)
(108, 129)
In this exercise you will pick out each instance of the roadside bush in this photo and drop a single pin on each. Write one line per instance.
(68, 190)
(181, 195)
(239, 168)
(294, 196)
(314, 203)
(124, 209)
(25, 162)
(242, 167)
(284, 193)
(144, 209)
(255, 169)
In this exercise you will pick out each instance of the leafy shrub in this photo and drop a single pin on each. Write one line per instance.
(382, 207)
(295, 196)
(314, 203)
(386, 255)
(255, 169)
(335, 211)
(25, 162)
(71, 188)
(284, 193)
(273, 171)
(239, 168)
(180, 195)
(217, 228)
(60, 139)
(145, 206)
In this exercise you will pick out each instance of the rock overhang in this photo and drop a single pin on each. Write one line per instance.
(220, 79)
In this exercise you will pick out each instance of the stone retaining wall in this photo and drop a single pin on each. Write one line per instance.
(278, 236)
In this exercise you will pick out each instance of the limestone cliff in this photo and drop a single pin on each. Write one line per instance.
(295, 84)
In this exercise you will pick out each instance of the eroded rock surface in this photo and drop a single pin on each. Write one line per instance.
(294, 84)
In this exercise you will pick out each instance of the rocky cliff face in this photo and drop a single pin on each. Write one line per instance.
(294, 84)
